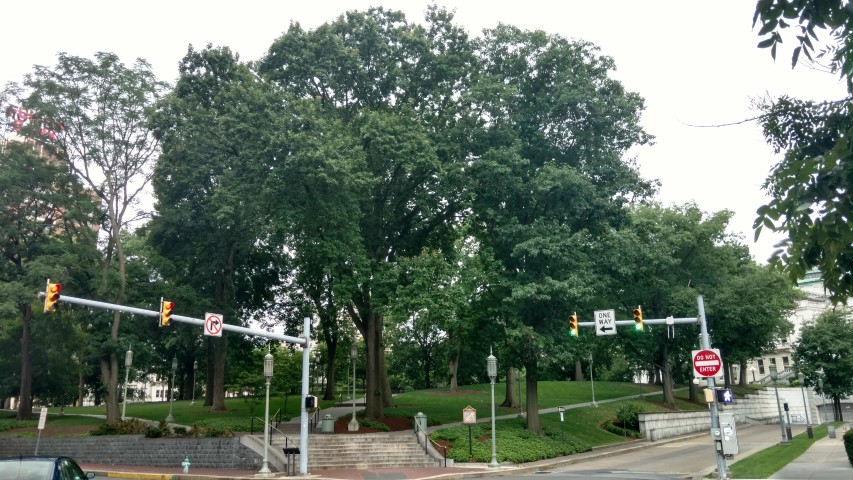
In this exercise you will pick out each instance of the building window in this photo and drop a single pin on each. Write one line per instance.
(773, 362)
(761, 366)
(785, 363)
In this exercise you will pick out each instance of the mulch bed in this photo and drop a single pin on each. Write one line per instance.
(395, 424)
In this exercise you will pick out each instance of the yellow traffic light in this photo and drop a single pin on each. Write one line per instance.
(166, 313)
(573, 324)
(638, 318)
(51, 296)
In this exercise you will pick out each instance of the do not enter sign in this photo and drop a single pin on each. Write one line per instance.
(707, 363)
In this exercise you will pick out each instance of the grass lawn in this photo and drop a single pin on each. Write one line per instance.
(439, 405)
(765, 463)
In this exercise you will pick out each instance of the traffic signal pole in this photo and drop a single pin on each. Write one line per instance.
(181, 318)
(653, 321)
(715, 419)
(303, 340)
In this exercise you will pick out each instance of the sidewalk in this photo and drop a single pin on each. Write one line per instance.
(469, 470)
(824, 460)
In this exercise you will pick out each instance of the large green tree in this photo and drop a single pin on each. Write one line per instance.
(661, 261)
(550, 175)
(96, 113)
(824, 354)
(396, 89)
(810, 201)
(219, 141)
(47, 230)
(750, 311)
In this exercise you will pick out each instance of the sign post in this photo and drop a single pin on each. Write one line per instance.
(42, 420)
(469, 417)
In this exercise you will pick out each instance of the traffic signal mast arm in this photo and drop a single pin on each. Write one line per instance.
(656, 321)
(177, 318)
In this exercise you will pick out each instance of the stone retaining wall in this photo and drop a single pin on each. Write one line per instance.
(760, 407)
(226, 452)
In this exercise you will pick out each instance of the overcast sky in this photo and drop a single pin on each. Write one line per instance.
(695, 63)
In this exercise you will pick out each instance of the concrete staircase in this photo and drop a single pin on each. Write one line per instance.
(362, 451)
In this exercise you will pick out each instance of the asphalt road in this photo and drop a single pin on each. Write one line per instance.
(682, 459)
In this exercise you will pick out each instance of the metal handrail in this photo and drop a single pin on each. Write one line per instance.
(436, 446)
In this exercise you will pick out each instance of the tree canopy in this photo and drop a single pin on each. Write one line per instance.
(809, 188)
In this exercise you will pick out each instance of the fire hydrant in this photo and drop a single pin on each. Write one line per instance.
(186, 464)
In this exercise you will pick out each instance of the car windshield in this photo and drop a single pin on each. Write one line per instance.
(26, 469)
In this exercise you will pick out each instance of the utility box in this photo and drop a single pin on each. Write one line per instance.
(727, 436)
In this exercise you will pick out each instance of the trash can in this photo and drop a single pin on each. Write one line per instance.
(809, 431)
(421, 420)
(831, 430)
(328, 425)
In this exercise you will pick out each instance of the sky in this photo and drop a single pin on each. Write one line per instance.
(695, 63)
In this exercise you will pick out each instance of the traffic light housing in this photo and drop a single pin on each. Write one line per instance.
(51, 296)
(166, 313)
(638, 318)
(573, 324)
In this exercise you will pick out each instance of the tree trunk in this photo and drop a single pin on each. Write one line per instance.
(510, 398)
(109, 369)
(110, 391)
(666, 380)
(80, 389)
(331, 353)
(25, 403)
(532, 397)
(220, 344)
(453, 365)
(427, 359)
(374, 404)
(666, 377)
(208, 390)
(578, 371)
(742, 381)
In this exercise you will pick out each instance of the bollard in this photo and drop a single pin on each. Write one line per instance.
(186, 464)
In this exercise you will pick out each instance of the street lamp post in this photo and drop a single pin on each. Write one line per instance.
(128, 361)
(170, 418)
(195, 368)
(353, 354)
(492, 370)
(822, 416)
(774, 375)
(268, 362)
(801, 378)
(592, 380)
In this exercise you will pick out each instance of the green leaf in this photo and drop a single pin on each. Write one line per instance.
(768, 27)
(767, 42)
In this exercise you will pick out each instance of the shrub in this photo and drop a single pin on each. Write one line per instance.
(628, 415)
(622, 432)
(12, 423)
(374, 424)
(105, 429)
(518, 445)
(848, 445)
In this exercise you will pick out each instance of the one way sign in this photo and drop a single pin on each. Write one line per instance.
(605, 322)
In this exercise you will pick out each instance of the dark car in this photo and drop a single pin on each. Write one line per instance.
(41, 468)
